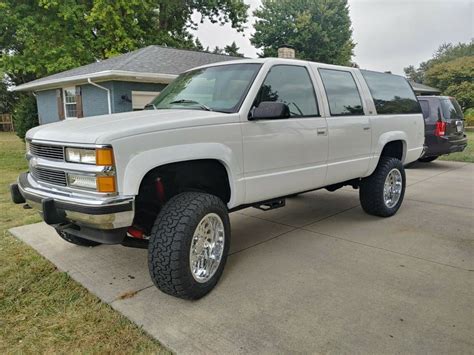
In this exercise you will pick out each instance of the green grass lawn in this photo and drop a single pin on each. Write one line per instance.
(467, 155)
(41, 309)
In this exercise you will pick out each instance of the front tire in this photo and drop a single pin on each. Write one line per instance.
(427, 159)
(381, 194)
(76, 240)
(188, 245)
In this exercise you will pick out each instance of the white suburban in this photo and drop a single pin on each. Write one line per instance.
(220, 138)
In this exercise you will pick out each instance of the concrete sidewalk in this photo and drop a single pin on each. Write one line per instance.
(316, 276)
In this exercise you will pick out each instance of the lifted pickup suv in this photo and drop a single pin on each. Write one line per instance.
(220, 138)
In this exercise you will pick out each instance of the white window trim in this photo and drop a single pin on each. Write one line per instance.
(73, 89)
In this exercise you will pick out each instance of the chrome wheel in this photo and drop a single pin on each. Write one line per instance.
(207, 247)
(392, 188)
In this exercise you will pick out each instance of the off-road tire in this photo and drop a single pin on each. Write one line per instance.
(76, 240)
(170, 242)
(372, 188)
(427, 159)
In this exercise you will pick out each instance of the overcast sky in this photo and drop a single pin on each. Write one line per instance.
(390, 34)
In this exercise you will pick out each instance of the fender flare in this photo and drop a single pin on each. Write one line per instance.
(385, 138)
(139, 165)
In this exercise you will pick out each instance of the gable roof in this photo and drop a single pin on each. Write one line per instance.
(153, 63)
(421, 88)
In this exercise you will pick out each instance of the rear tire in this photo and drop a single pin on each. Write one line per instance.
(427, 159)
(188, 246)
(76, 240)
(381, 194)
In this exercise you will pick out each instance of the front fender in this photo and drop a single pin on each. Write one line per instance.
(139, 165)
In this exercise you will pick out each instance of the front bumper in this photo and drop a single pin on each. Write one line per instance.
(97, 218)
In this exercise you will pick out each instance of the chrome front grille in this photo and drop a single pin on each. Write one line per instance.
(54, 177)
(53, 152)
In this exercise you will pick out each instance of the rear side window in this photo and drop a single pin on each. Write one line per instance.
(392, 94)
(291, 85)
(342, 93)
(425, 108)
(451, 109)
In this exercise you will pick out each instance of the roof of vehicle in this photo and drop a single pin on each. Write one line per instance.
(434, 97)
(422, 88)
(152, 63)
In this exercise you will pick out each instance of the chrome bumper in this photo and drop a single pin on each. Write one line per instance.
(61, 207)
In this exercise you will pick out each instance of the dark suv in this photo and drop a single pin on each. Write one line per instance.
(444, 126)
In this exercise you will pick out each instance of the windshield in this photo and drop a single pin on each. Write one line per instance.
(451, 109)
(220, 88)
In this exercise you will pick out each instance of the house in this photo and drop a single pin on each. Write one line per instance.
(123, 83)
(421, 89)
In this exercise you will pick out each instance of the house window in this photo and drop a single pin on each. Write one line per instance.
(142, 98)
(70, 105)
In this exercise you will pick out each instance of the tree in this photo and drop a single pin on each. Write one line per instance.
(413, 74)
(232, 50)
(454, 78)
(319, 30)
(445, 53)
(25, 114)
(198, 45)
(218, 50)
(42, 37)
(7, 97)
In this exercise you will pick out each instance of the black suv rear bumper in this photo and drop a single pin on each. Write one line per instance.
(435, 146)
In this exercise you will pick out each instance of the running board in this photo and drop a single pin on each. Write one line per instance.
(271, 205)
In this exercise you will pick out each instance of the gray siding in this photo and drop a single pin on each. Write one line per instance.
(94, 99)
(47, 106)
(125, 88)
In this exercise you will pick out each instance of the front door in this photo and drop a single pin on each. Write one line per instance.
(285, 156)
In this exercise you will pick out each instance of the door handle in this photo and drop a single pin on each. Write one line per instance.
(321, 131)
(366, 128)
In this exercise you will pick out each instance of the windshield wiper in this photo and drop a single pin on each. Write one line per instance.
(150, 107)
(184, 101)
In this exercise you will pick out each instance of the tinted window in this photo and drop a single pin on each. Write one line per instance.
(292, 86)
(392, 94)
(425, 108)
(451, 109)
(342, 92)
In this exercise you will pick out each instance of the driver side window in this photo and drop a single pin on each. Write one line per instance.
(292, 86)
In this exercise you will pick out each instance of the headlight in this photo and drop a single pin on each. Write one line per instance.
(27, 147)
(80, 155)
(99, 156)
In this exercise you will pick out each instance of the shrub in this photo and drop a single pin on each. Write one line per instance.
(25, 115)
(469, 116)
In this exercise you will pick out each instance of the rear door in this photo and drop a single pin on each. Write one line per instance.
(349, 129)
(453, 116)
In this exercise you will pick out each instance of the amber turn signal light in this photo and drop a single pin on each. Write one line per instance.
(106, 184)
(104, 156)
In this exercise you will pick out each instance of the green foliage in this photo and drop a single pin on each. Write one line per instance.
(232, 50)
(319, 30)
(25, 115)
(454, 78)
(7, 98)
(42, 37)
(445, 53)
(469, 116)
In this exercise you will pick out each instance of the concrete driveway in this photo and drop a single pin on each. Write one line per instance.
(316, 276)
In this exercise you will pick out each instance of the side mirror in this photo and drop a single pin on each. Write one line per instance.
(270, 110)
